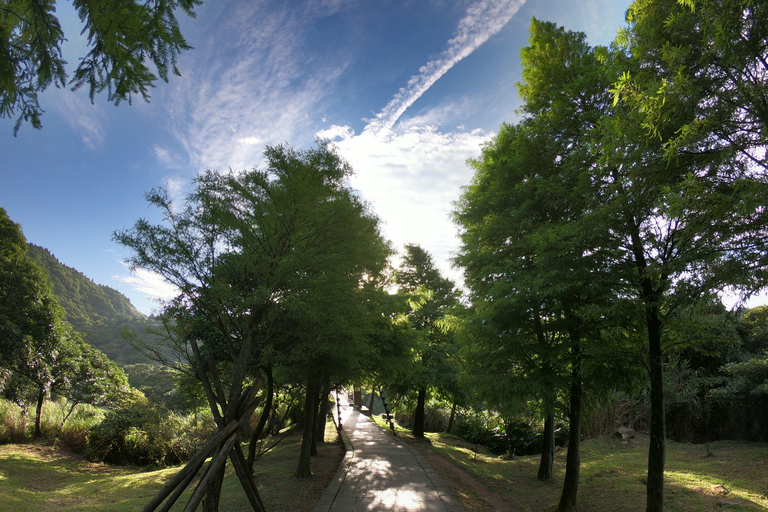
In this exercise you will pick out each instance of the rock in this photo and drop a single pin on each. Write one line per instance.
(624, 433)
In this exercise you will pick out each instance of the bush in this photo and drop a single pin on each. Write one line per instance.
(140, 433)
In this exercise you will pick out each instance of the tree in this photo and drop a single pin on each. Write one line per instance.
(516, 354)
(687, 192)
(28, 311)
(123, 39)
(430, 297)
(93, 379)
(706, 60)
(31, 322)
(252, 254)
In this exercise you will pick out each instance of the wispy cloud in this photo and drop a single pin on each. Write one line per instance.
(259, 84)
(82, 116)
(483, 20)
(413, 170)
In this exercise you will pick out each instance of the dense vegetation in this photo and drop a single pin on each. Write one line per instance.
(99, 312)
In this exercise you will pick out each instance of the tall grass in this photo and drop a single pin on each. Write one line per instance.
(13, 423)
(17, 426)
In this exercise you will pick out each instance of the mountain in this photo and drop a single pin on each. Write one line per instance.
(98, 311)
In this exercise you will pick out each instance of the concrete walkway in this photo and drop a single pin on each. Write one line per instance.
(381, 473)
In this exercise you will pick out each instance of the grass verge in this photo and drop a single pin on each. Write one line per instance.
(46, 479)
(612, 476)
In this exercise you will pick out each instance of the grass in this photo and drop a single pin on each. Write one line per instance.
(45, 478)
(612, 475)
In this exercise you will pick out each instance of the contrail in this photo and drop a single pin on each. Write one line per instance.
(483, 20)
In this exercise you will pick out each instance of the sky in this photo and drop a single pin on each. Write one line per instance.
(407, 90)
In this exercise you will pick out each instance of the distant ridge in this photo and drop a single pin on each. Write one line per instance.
(98, 311)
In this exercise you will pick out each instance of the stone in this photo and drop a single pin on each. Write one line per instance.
(624, 433)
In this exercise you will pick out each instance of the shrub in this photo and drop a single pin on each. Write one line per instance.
(141, 433)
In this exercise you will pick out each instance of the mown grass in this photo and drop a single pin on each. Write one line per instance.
(46, 479)
(612, 478)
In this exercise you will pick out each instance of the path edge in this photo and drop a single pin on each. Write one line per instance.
(329, 495)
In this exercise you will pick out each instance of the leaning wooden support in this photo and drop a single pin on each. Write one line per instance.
(246, 478)
(194, 464)
(217, 462)
(181, 488)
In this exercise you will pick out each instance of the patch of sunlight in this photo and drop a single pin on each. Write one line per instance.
(711, 485)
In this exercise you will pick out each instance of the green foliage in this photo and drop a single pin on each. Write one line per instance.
(13, 427)
(273, 267)
(430, 299)
(139, 432)
(85, 302)
(163, 385)
(124, 38)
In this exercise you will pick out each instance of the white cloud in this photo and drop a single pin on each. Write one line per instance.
(177, 188)
(483, 20)
(411, 175)
(152, 285)
(249, 141)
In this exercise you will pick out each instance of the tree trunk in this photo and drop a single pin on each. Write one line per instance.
(213, 494)
(657, 449)
(418, 419)
(305, 454)
(452, 418)
(573, 460)
(370, 402)
(265, 413)
(548, 448)
(39, 414)
(322, 415)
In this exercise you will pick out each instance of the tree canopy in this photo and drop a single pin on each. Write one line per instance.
(124, 40)
(608, 208)
(269, 264)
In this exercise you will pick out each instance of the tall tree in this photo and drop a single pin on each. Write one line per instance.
(123, 39)
(687, 168)
(250, 252)
(430, 296)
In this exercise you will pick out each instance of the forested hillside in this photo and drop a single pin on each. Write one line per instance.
(98, 311)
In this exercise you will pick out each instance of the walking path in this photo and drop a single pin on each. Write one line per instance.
(381, 473)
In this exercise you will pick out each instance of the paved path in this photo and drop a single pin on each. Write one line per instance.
(381, 473)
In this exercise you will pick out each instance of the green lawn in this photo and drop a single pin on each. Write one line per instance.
(612, 475)
(40, 478)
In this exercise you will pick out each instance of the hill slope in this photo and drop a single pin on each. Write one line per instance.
(98, 311)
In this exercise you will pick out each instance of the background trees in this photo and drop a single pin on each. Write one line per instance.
(39, 350)
(430, 298)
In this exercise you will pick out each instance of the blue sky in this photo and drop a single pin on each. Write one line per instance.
(408, 90)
